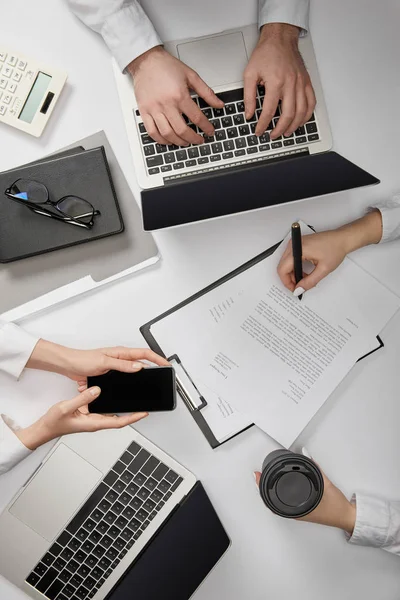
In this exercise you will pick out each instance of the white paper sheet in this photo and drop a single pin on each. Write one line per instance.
(278, 359)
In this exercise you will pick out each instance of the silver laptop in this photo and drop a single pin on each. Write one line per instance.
(82, 525)
(220, 60)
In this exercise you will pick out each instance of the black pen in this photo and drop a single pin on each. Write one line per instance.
(297, 254)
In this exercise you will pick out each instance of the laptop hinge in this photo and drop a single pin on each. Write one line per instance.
(249, 163)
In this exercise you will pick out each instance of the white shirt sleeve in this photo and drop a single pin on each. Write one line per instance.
(377, 523)
(390, 211)
(292, 12)
(16, 346)
(125, 27)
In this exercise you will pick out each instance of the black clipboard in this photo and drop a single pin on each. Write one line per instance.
(185, 385)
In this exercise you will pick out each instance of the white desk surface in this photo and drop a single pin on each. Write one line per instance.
(355, 435)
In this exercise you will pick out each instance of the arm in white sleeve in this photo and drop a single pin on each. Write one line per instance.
(16, 346)
(292, 12)
(125, 27)
(390, 211)
(377, 523)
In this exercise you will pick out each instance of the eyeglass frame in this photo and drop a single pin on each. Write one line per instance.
(46, 213)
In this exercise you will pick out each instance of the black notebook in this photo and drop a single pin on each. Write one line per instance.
(84, 173)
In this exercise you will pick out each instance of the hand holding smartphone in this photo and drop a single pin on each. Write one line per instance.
(149, 390)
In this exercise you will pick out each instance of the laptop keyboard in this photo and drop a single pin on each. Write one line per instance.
(106, 527)
(234, 137)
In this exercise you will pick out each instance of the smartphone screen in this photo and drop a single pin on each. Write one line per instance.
(151, 389)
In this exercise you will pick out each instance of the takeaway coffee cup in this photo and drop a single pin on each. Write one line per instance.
(291, 484)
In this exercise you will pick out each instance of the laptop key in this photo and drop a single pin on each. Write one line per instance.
(132, 488)
(181, 155)
(215, 157)
(149, 150)
(244, 130)
(142, 128)
(80, 556)
(207, 112)
(240, 152)
(216, 148)
(141, 458)
(32, 579)
(288, 142)
(229, 145)
(252, 150)
(40, 569)
(127, 534)
(252, 118)
(161, 148)
(193, 152)
(95, 537)
(276, 145)
(226, 155)
(76, 580)
(230, 109)
(179, 165)
(110, 517)
(64, 576)
(166, 168)
(171, 476)
(121, 522)
(89, 582)
(83, 570)
(176, 484)
(56, 549)
(208, 139)
(253, 127)
(54, 589)
(312, 118)
(59, 564)
(301, 140)
(96, 515)
(89, 524)
(264, 138)
(48, 559)
(64, 538)
(146, 139)
(81, 593)
(72, 566)
(47, 580)
(67, 553)
(205, 150)
(87, 547)
(127, 477)
(91, 561)
(231, 95)
(311, 127)
(190, 163)
(117, 508)
(203, 160)
(218, 112)
(111, 554)
(227, 122)
(152, 161)
(119, 544)
(149, 505)
(240, 108)
(300, 130)
(141, 515)
(110, 478)
(313, 138)
(119, 486)
(139, 479)
(240, 143)
(252, 140)
(238, 119)
(143, 494)
(220, 135)
(216, 123)
(102, 527)
(104, 505)
(264, 148)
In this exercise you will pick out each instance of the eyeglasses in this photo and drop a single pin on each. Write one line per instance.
(70, 209)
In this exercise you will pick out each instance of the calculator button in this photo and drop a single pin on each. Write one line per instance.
(7, 72)
(3, 109)
(3, 56)
(7, 99)
(12, 87)
(17, 76)
(12, 60)
(22, 65)
(3, 83)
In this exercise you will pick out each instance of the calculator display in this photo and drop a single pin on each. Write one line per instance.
(35, 97)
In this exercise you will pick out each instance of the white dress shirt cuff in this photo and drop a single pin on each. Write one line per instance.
(390, 211)
(16, 346)
(372, 521)
(13, 450)
(129, 33)
(292, 12)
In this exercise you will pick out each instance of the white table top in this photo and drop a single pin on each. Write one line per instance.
(354, 437)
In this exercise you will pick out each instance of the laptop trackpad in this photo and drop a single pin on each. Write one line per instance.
(55, 492)
(218, 60)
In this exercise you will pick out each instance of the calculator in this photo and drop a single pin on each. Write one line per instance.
(28, 91)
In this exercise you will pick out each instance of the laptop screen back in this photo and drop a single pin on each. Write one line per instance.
(180, 556)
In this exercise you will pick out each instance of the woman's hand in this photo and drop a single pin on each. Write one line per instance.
(334, 510)
(80, 364)
(327, 250)
(72, 416)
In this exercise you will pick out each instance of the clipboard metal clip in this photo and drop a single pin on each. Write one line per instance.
(185, 385)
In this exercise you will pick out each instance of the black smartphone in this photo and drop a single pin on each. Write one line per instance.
(148, 390)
